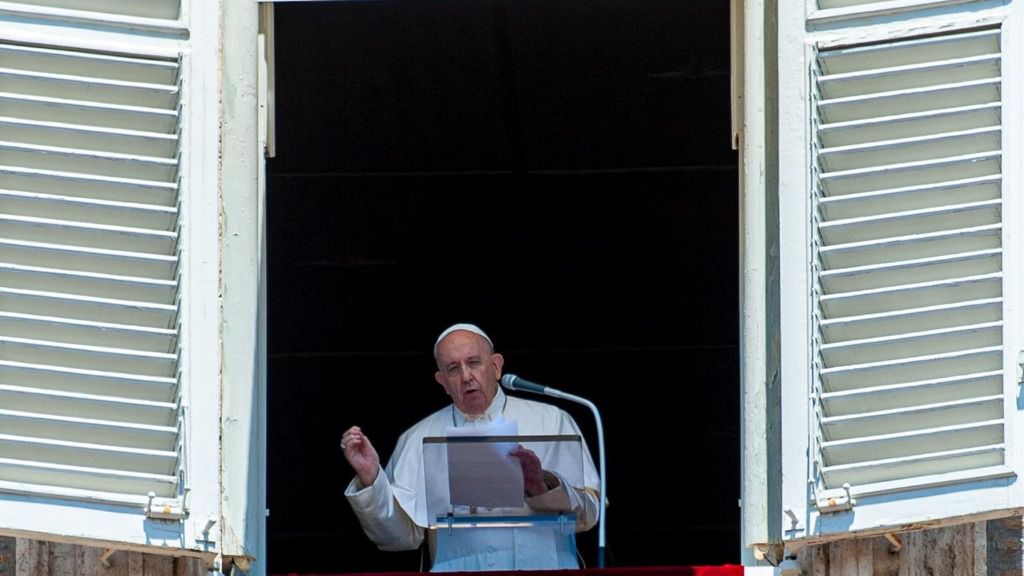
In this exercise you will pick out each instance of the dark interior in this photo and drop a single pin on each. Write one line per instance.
(557, 172)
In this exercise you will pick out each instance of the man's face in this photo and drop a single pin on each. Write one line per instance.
(468, 370)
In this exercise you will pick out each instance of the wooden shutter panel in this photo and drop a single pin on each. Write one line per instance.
(89, 275)
(837, 7)
(908, 274)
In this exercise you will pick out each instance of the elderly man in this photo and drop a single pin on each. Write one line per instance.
(391, 502)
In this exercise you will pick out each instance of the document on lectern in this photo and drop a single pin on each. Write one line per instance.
(482, 473)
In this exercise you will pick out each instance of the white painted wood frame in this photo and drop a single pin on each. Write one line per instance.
(899, 175)
(130, 249)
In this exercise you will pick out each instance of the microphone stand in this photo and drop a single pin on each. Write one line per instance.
(513, 382)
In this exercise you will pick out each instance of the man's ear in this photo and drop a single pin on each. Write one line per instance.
(440, 379)
(499, 361)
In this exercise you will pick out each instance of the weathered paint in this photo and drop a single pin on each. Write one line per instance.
(754, 466)
(242, 514)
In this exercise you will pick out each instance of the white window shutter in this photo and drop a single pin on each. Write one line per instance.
(904, 409)
(94, 394)
(908, 262)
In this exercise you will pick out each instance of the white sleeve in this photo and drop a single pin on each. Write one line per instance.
(565, 498)
(383, 520)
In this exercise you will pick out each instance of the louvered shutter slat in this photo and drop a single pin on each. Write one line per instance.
(82, 477)
(91, 455)
(102, 236)
(910, 125)
(107, 92)
(95, 115)
(49, 377)
(911, 344)
(919, 442)
(852, 328)
(134, 312)
(97, 162)
(105, 334)
(924, 220)
(107, 67)
(74, 282)
(910, 198)
(92, 406)
(911, 100)
(915, 148)
(907, 77)
(903, 297)
(151, 147)
(30, 204)
(891, 372)
(941, 467)
(915, 271)
(901, 174)
(87, 357)
(908, 51)
(912, 249)
(157, 9)
(907, 394)
(903, 419)
(89, 186)
(34, 424)
(100, 261)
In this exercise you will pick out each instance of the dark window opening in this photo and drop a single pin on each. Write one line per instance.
(559, 173)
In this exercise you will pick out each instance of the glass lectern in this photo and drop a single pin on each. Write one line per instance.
(479, 515)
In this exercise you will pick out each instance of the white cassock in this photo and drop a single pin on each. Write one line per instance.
(393, 511)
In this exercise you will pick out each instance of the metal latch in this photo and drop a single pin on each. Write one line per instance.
(165, 510)
(837, 500)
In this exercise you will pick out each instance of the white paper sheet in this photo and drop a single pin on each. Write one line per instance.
(482, 474)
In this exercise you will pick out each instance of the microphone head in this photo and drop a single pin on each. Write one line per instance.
(509, 381)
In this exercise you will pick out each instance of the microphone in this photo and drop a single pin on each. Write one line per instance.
(513, 382)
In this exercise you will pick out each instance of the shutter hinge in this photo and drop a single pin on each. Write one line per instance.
(836, 500)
